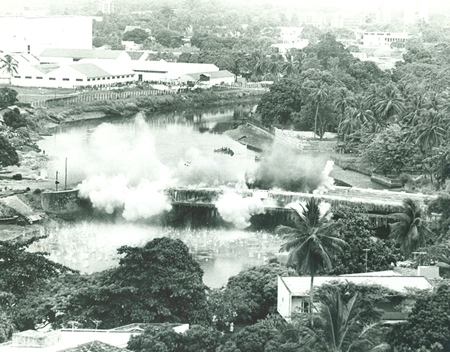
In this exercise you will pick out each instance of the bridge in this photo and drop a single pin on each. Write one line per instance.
(378, 204)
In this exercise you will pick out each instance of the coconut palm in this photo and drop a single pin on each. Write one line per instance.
(409, 229)
(9, 65)
(318, 96)
(338, 327)
(310, 243)
(389, 103)
(431, 131)
(358, 117)
(293, 63)
(344, 99)
(415, 105)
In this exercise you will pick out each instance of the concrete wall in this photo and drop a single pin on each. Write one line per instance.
(60, 202)
(283, 300)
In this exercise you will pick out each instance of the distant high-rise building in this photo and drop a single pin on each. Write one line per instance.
(415, 10)
(107, 7)
(384, 11)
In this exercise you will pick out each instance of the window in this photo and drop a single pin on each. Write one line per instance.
(38, 77)
(103, 78)
(79, 80)
(52, 79)
(16, 76)
(109, 77)
(65, 79)
(89, 79)
(28, 77)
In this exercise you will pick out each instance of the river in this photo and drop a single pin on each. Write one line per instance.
(176, 148)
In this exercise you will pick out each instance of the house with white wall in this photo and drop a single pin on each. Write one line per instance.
(208, 78)
(72, 75)
(383, 39)
(293, 291)
(163, 71)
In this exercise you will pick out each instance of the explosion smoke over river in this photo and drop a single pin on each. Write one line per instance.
(126, 167)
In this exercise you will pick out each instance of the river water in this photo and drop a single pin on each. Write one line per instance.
(170, 148)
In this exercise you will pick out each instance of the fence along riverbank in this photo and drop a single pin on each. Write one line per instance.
(90, 96)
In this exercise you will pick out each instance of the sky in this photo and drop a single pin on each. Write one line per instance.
(434, 6)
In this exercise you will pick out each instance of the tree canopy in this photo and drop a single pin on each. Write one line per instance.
(428, 325)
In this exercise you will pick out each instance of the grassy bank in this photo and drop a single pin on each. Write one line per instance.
(150, 104)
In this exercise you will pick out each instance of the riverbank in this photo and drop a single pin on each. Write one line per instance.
(149, 104)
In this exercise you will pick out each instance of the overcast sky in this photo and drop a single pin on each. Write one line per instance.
(341, 4)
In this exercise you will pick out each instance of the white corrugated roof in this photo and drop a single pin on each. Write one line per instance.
(299, 285)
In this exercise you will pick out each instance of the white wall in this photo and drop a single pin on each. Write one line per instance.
(283, 300)
(60, 75)
(226, 80)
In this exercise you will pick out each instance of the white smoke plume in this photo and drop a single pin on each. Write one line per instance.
(118, 167)
(326, 181)
(238, 210)
(288, 169)
(145, 201)
(106, 193)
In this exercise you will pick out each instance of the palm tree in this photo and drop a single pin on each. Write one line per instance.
(9, 65)
(389, 104)
(310, 243)
(318, 95)
(342, 102)
(431, 131)
(357, 117)
(293, 62)
(409, 229)
(338, 327)
(416, 104)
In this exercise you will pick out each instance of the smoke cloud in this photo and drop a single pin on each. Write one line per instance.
(119, 168)
(238, 210)
(286, 169)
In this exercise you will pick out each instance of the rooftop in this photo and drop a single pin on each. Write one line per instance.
(82, 53)
(299, 285)
(90, 70)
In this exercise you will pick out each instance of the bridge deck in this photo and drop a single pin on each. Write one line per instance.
(371, 200)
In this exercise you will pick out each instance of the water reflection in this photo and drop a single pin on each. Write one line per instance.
(91, 247)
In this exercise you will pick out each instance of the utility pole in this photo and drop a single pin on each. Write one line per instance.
(56, 181)
(366, 250)
(65, 175)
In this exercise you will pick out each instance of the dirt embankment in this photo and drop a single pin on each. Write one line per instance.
(150, 104)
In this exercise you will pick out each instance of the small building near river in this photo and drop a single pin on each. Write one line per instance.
(293, 292)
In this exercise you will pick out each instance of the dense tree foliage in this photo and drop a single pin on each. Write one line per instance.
(160, 282)
(248, 296)
(20, 269)
(280, 103)
(428, 324)
(8, 154)
(164, 338)
(8, 97)
(353, 227)
(13, 119)
(410, 230)
(136, 35)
